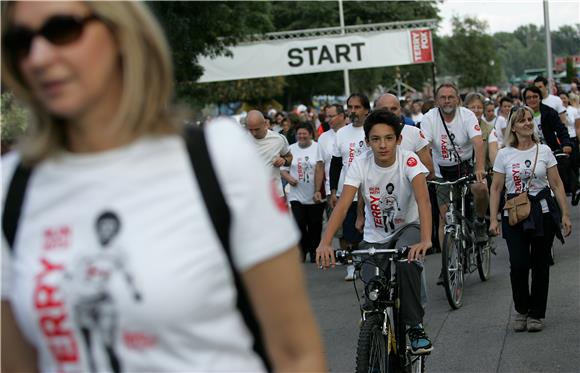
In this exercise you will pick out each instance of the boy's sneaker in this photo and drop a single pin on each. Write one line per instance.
(349, 273)
(520, 322)
(535, 325)
(420, 343)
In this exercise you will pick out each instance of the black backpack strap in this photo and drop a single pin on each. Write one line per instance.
(13, 203)
(219, 212)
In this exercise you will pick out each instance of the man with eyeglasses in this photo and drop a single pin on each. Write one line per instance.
(551, 100)
(456, 139)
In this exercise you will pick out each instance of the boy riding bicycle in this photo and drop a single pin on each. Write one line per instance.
(388, 171)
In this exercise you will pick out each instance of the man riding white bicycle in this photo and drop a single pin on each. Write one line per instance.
(405, 176)
(455, 138)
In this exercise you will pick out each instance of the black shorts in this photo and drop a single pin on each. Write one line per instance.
(349, 232)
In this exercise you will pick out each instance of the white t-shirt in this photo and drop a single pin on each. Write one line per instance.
(326, 143)
(272, 146)
(388, 193)
(499, 124)
(302, 169)
(417, 117)
(538, 127)
(517, 166)
(463, 128)
(158, 291)
(413, 139)
(555, 103)
(573, 115)
(350, 144)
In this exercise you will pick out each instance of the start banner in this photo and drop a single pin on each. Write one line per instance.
(331, 53)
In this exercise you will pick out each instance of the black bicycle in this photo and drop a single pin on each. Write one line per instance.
(383, 345)
(461, 253)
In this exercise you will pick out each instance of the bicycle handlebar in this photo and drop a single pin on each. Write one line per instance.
(460, 180)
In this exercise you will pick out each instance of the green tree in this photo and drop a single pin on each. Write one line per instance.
(472, 53)
(570, 70)
(566, 40)
(14, 118)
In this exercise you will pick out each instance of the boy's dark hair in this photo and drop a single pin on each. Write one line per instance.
(308, 126)
(364, 100)
(382, 116)
(540, 78)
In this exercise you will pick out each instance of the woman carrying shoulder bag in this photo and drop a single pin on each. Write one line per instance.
(522, 166)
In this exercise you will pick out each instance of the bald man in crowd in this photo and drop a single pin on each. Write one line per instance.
(413, 139)
(272, 147)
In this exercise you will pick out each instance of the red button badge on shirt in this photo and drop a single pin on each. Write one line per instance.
(421, 134)
(477, 128)
(411, 162)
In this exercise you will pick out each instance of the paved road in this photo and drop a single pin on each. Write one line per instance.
(478, 337)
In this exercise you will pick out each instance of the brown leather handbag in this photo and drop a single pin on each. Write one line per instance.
(519, 207)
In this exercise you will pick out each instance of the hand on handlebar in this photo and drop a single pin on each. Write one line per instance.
(325, 256)
(480, 176)
(419, 250)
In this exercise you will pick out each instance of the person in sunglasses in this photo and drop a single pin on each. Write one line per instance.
(106, 158)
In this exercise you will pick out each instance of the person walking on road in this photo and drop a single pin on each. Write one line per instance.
(525, 165)
(304, 177)
(113, 260)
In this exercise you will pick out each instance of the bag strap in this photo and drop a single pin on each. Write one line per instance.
(449, 136)
(219, 212)
(13, 203)
(533, 169)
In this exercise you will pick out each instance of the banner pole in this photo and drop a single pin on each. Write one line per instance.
(345, 74)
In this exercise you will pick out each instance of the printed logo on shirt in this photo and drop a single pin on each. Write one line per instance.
(300, 169)
(389, 208)
(411, 162)
(375, 197)
(57, 238)
(95, 307)
(138, 340)
(278, 200)
(516, 177)
(477, 128)
(351, 152)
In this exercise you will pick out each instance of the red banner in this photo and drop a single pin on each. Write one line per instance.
(421, 46)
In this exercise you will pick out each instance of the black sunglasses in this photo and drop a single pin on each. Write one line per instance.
(58, 30)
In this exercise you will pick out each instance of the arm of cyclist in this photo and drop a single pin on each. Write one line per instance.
(291, 335)
(325, 253)
(360, 213)
(334, 175)
(419, 250)
(494, 197)
(424, 155)
(492, 149)
(558, 188)
(479, 150)
(17, 354)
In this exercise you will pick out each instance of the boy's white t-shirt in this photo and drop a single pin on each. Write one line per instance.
(154, 288)
(302, 169)
(517, 166)
(463, 128)
(388, 193)
(326, 143)
(350, 144)
(573, 114)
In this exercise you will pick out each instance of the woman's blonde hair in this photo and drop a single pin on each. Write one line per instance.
(517, 115)
(147, 80)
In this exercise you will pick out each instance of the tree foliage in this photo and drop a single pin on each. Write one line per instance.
(472, 53)
(14, 118)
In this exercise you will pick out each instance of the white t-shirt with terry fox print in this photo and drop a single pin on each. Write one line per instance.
(388, 193)
(517, 166)
(302, 169)
(463, 128)
(413, 139)
(350, 144)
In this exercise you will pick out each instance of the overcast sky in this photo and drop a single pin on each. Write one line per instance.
(507, 15)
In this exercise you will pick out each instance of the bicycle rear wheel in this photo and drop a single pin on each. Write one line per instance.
(452, 270)
(374, 353)
(483, 256)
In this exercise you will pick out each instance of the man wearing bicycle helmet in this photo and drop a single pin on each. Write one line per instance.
(388, 168)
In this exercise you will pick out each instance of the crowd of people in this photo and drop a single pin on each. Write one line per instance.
(130, 244)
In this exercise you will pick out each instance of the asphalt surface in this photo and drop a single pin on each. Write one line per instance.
(477, 337)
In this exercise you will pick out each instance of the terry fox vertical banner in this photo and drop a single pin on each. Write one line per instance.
(331, 53)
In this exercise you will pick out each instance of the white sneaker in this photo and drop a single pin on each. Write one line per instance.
(349, 273)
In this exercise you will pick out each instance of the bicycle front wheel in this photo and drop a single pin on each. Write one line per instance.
(452, 270)
(483, 256)
(374, 351)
